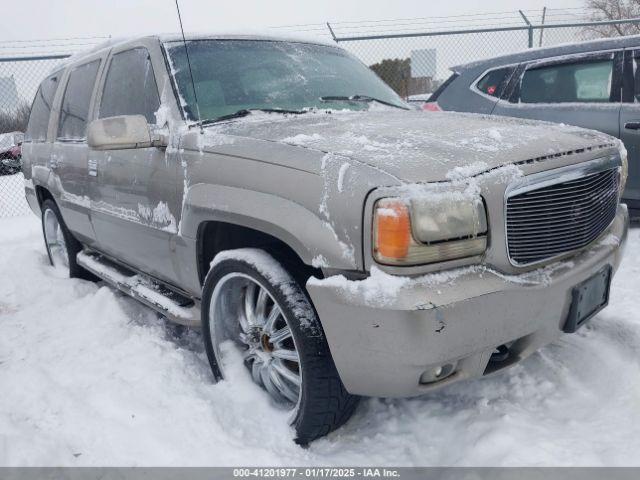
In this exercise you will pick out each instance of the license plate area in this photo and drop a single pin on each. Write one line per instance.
(588, 298)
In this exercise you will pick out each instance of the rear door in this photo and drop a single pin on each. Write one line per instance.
(582, 90)
(36, 147)
(69, 158)
(630, 125)
(135, 201)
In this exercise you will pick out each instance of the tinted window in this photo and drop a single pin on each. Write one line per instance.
(568, 82)
(75, 104)
(493, 82)
(41, 109)
(130, 87)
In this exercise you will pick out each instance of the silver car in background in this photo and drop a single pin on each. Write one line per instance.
(322, 234)
(593, 84)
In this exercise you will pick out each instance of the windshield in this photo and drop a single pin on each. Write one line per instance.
(233, 75)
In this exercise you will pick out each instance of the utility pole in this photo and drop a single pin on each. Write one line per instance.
(544, 15)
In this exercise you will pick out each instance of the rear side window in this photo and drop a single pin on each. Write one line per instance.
(75, 104)
(41, 110)
(130, 87)
(588, 81)
(494, 82)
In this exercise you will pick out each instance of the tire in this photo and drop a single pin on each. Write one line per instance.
(322, 403)
(61, 246)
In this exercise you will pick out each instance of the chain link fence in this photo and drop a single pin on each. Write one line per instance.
(414, 64)
(19, 80)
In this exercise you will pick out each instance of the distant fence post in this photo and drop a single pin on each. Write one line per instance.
(529, 30)
(333, 35)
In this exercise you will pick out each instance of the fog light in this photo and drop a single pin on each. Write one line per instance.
(438, 373)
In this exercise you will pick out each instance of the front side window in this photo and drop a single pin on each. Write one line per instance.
(74, 112)
(130, 87)
(41, 110)
(232, 75)
(493, 82)
(588, 81)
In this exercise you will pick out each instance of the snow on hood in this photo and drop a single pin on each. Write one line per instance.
(418, 146)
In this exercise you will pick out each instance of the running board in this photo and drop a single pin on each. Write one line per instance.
(172, 305)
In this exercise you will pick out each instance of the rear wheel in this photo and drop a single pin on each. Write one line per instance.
(62, 247)
(253, 304)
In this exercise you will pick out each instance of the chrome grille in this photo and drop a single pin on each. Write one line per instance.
(563, 217)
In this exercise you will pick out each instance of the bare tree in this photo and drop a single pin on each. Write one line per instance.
(15, 120)
(395, 72)
(613, 10)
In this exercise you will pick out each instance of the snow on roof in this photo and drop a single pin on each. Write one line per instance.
(554, 51)
(265, 35)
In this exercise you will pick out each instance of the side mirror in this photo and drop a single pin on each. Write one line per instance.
(123, 132)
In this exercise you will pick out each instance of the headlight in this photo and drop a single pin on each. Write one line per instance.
(428, 231)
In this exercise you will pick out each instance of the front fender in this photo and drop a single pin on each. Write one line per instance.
(310, 236)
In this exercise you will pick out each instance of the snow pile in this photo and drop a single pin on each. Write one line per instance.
(265, 264)
(302, 139)
(90, 377)
(466, 171)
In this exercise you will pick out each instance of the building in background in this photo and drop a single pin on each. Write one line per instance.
(423, 71)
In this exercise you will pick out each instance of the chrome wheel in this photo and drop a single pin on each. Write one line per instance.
(243, 310)
(54, 238)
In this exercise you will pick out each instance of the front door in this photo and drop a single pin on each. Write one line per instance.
(134, 206)
(630, 127)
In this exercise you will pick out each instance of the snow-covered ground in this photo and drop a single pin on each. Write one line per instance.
(89, 377)
(12, 199)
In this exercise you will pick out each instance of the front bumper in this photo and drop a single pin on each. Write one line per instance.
(383, 338)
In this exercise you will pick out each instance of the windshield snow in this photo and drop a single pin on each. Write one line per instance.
(235, 75)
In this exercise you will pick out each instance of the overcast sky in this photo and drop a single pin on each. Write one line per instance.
(31, 27)
(42, 19)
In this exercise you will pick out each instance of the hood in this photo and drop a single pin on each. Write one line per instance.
(416, 146)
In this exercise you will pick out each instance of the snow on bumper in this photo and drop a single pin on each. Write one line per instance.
(386, 332)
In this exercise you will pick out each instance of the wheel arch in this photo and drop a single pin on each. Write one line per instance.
(43, 194)
(215, 236)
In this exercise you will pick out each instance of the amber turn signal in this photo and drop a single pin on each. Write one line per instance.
(392, 229)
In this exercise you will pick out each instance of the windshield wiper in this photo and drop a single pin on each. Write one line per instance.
(247, 111)
(229, 116)
(358, 98)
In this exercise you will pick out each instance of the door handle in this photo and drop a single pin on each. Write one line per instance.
(632, 125)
